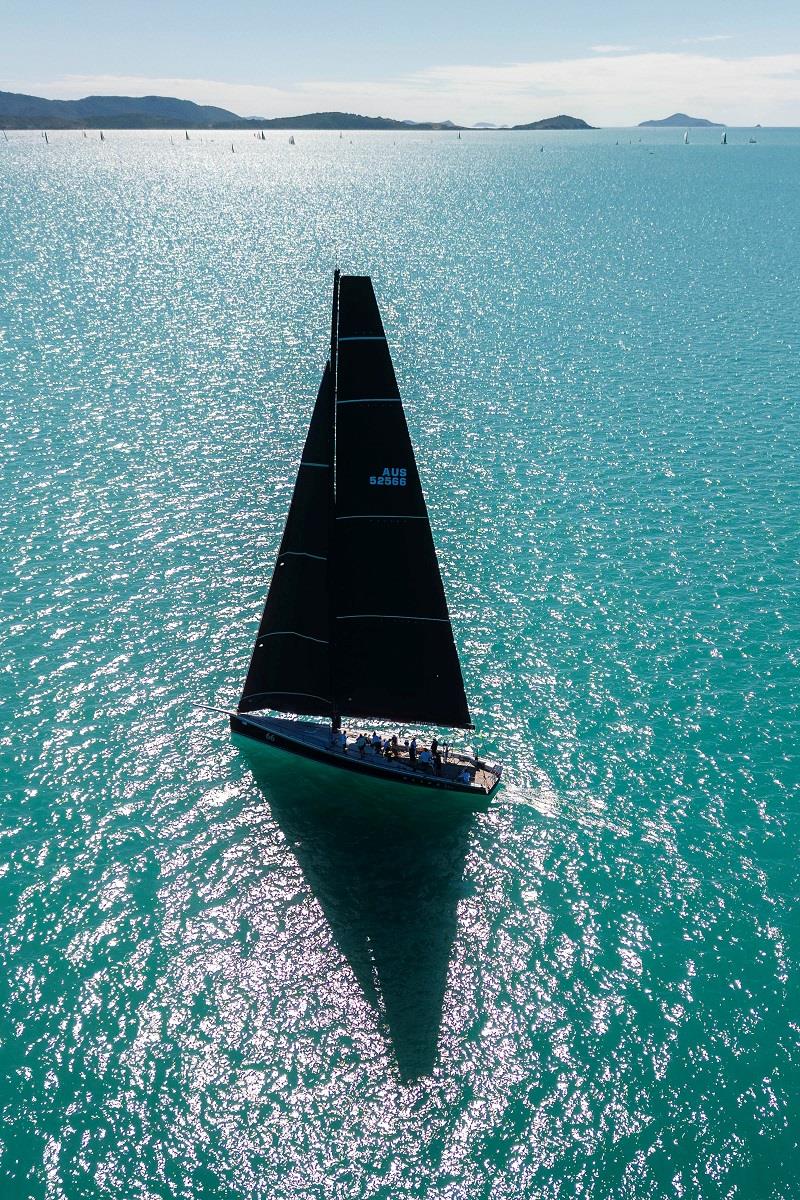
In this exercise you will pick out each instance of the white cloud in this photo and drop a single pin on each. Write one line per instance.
(714, 37)
(603, 89)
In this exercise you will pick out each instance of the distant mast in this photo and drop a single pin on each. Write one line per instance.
(686, 137)
(186, 131)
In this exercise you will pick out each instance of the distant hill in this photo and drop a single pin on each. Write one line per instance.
(18, 111)
(681, 120)
(166, 112)
(339, 120)
(126, 112)
(561, 122)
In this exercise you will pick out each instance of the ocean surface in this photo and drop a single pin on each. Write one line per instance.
(224, 975)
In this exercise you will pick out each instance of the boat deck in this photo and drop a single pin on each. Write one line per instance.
(317, 738)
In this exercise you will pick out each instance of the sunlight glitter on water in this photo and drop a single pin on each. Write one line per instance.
(221, 971)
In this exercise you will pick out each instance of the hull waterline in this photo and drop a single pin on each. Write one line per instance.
(268, 732)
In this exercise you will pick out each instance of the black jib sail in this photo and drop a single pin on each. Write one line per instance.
(356, 621)
(394, 654)
(290, 668)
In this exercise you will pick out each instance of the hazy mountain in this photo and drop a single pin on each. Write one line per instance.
(165, 112)
(560, 122)
(339, 120)
(18, 111)
(129, 112)
(682, 121)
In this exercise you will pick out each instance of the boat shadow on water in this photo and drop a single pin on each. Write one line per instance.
(388, 875)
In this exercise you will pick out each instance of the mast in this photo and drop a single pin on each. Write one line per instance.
(333, 370)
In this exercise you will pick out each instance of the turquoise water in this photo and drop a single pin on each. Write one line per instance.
(227, 976)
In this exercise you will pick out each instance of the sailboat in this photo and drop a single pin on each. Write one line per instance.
(186, 131)
(291, 140)
(356, 623)
(686, 137)
(724, 137)
(102, 136)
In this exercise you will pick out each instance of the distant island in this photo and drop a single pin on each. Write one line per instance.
(682, 121)
(561, 122)
(166, 112)
(18, 111)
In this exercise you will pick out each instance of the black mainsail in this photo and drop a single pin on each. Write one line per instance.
(356, 621)
(394, 654)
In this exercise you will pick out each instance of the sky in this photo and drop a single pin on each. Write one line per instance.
(612, 63)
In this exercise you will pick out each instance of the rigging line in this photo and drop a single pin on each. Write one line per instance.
(391, 617)
(364, 337)
(277, 692)
(381, 517)
(302, 554)
(291, 633)
(310, 464)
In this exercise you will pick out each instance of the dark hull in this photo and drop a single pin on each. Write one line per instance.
(261, 730)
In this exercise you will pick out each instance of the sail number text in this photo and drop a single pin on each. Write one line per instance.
(389, 477)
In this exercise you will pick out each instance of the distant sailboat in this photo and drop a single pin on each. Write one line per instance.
(84, 133)
(724, 137)
(5, 135)
(686, 137)
(233, 148)
(459, 135)
(751, 141)
(186, 131)
(102, 136)
(291, 140)
(356, 621)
